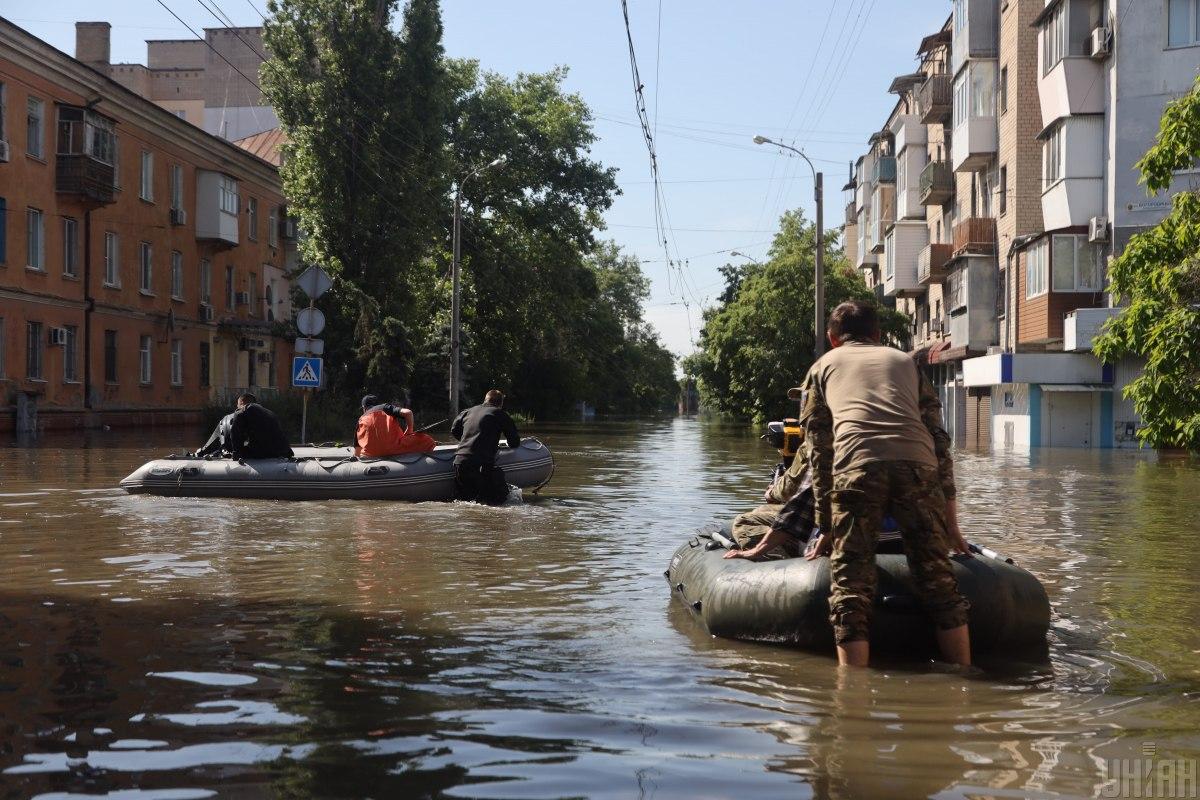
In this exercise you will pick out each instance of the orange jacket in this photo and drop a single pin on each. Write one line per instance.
(380, 434)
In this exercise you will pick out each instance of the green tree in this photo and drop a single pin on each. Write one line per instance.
(1158, 273)
(759, 342)
(365, 110)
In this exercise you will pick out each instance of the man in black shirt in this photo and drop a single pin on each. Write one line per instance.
(255, 432)
(478, 430)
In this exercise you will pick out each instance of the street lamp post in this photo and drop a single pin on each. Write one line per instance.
(455, 302)
(819, 265)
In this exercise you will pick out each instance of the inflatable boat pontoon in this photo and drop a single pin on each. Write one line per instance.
(331, 473)
(787, 601)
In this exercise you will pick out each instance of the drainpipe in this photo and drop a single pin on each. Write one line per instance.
(89, 305)
(1018, 243)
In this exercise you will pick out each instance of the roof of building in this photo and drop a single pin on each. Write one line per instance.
(934, 41)
(266, 145)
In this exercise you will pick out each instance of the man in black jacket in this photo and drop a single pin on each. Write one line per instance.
(478, 430)
(255, 432)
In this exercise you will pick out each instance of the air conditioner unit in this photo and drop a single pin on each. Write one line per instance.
(1098, 229)
(1100, 43)
(3, 150)
(264, 358)
(206, 312)
(58, 336)
(241, 298)
(287, 228)
(937, 325)
(178, 216)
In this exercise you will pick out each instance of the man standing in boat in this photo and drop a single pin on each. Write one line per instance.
(874, 432)
(478, 431)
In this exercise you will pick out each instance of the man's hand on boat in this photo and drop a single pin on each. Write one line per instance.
(773, 539)
(958, 542)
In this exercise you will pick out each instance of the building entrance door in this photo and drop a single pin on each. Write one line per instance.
(1070, 418)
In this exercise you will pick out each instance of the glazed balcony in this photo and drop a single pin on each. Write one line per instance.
(975, 236)
(935, 99)
(932, 263)
(883, 214)
(936, 183)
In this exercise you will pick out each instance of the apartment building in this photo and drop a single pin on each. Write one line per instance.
(192, 78)
(142, 270)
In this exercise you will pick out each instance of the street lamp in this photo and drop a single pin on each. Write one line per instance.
(819, 266)
(455, 264)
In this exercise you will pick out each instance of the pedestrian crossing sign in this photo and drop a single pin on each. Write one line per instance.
(306, 372)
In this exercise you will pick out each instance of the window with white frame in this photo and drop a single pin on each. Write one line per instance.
(176, 275)
(176, 186)
(35, 127)
(146, 262)
(889, 249)
(70, 247)
(1052, 156)
(85, 132)
(1054, 38)
(116, 161)
(1036, 268)
(35, 239)
(229, 194)
(273, 227)
(1076, 264)
(112, 267)
(71, 355)
(206, 281)
(1183, 23)
(961, 97)
(146, 190)
(252, 218)
(982, 79)
(177, 362)
(145, 353)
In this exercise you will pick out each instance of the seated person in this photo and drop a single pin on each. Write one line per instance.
(254, 432)
(386, 429)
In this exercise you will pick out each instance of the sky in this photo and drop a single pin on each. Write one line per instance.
(813, 73)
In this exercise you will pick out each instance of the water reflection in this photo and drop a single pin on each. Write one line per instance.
(164, 647)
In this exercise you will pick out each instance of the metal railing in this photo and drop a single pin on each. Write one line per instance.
(975, 236)
(936, 184)
(885, 170)
(931, 263)
(936, 98)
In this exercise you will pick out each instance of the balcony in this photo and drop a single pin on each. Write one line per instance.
(81, 174)
(882, 299)
(936, 183)
(905, 242)
(977, 33)
(883, 214)
(935, 99)
(885, 170)
(1082, 325)
(216, 207)
(932, 263)
(975, 236)
(851, 216)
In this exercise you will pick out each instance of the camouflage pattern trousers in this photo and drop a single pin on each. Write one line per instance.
(912, 493)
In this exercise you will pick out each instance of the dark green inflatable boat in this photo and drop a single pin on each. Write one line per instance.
(787, 601)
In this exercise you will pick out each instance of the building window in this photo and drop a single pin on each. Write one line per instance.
(960, 100)
(70, 349)
(229, 195)
(34, 350)
(273, 227)
(270, 301)
(206, 281)
(3, 349)
(229, 295)
(253, 287)
(112, 268)
(1076, 264)
(1003, 90)
(205, 358)
(1002, 188)
(252, 218)
(1036, 266)
(176, 275)
(3, 230)
(84, 132)
(1183, 23)
(982, 75)
(889, 257)
(1054, 38)
(956, 297)
(110, 356)
(177, 362)
(144, 354)
(3, 113)
(147, 267)
(146, 190)
(987, 188)
(1052, 157)
(35, 127)
(176, 186)
(35, 239)
(116, 162)
(70, 247)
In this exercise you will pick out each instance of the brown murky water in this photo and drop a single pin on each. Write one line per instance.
(165, 648)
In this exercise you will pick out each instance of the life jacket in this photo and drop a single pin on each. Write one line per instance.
(380, 434)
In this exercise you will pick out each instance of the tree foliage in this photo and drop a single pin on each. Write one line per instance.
(758, 342)
(1158, 273)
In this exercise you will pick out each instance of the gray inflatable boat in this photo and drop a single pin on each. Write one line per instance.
(787, 601)
(332, 473)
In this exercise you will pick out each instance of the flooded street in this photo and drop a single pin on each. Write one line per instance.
(337, 649)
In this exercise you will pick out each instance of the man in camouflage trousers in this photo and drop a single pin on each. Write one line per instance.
(876, 442)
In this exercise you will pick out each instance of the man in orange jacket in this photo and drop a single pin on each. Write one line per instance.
(385, 429)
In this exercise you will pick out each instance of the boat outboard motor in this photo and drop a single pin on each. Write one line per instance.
(785, 437)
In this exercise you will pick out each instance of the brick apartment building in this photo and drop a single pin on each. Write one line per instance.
(991, 200)
(142, 260)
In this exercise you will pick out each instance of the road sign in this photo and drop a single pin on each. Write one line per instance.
(306, 372)
(314, 282)
(310, 321)
(314, 346)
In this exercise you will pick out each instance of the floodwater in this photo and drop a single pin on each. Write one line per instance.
(175, 648)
